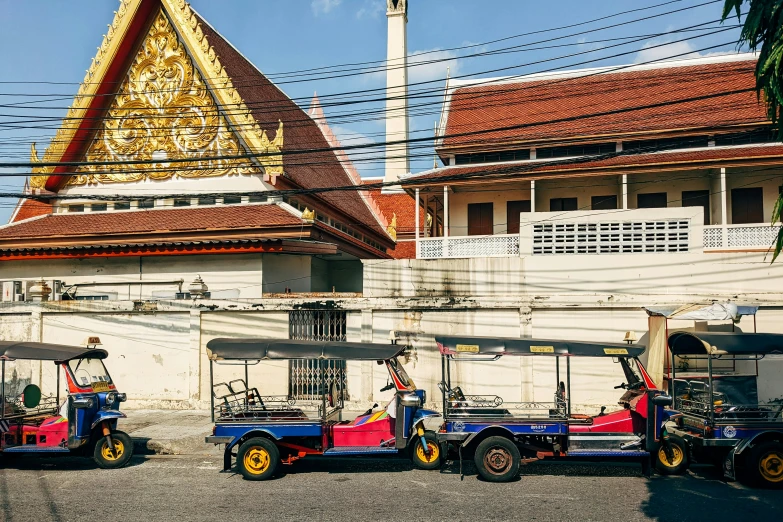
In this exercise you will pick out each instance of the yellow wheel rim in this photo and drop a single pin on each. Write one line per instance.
(677, 456)
(108, 454)
(256, 460)
(771, 466)
(422, 456)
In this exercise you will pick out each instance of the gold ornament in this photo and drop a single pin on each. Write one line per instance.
(308, 215)
(37, 181)
(163, 111)
(392, 228)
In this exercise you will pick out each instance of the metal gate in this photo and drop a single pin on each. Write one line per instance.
(308, 378)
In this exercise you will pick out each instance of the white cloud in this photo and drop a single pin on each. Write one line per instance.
(663, 50)
(371, 9)
(324, 6)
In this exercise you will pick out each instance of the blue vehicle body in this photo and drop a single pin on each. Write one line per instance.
(296, 428)
(746, 440)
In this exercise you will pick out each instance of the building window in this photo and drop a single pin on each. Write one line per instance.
(698, 198)
(575, 150)
(206, 200)
(256, 198)
(232, 200)
(480, 219)
(181, 202)
(98, 207)
(558, 204)
(682, 142)
(75, 208)
(513, 210)
(147, 203)
(603, 202)
(747, 205)
(121, 205)
(766, 135)
(492, 157)
(651, 200)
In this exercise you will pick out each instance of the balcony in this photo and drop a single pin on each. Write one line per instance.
(751, 237)
(501, 245)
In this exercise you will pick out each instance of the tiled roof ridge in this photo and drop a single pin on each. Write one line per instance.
(326, 130)
(607, 70)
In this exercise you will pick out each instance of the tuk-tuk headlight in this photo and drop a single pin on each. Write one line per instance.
(83, 402)
(110, 398)
(121, 397)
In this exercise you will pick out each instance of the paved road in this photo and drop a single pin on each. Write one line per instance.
(190, 488)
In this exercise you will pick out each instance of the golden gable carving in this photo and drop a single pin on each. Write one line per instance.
(164, 111)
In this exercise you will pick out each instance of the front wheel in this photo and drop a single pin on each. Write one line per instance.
(497, 459)
(429, 457)
(672, 460)
(107, 458)
(257, 459)
(765, 465)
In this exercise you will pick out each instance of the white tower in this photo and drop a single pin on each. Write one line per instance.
(397, 162)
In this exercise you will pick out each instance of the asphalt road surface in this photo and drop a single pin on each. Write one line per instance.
(192, 488)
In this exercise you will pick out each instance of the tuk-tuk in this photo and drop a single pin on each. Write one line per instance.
(744, 437)
(500, 435)
(85, 423)
(264, 431)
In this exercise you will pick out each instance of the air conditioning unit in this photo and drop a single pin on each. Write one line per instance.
(11, 290)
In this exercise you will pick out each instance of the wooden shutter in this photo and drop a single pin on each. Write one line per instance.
(480, 219)
(747, 205)
(513, 210)
(698, 198)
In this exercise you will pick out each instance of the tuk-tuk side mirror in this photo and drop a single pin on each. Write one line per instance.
(662, 400)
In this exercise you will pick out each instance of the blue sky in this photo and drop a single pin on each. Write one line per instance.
(53, 40)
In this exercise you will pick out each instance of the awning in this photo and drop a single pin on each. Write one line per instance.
(47, 352)
(730, 343)
(255, 349)
(702, 312)
(531, 346)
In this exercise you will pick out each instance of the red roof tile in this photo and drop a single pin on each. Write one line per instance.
(31, 208)
(404, 250)
(151, 221)
(269, 105)
(402, 205)
(557, 109)
(700, 158)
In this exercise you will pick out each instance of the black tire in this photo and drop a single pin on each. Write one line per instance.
(675, 463)
(497, 459)
(123, 451)
(763, 467)
(421, 459)
(258, 459)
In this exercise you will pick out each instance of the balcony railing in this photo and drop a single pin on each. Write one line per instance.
(502, 245)
(756, 236)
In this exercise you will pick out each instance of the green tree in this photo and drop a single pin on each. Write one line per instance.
(762, 31)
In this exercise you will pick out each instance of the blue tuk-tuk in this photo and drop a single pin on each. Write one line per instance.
(264, 431)
(85, 423)
(723, 426)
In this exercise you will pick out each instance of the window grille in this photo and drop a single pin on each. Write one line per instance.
(309, 378)
(612, 237)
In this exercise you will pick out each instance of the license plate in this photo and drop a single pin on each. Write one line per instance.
(100, 386)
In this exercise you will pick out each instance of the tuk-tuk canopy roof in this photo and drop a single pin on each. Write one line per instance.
(732, 343)
(255, 349)
(449, 345)
(47, 352)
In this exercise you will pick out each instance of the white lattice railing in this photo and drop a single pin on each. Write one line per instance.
(501, 245)
(758, 236)
(612, 237)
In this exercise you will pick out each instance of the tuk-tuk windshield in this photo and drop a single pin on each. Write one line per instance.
(401, 373)
(631, 369)
(89, 371)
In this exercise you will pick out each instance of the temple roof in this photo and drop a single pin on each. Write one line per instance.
(607, 103)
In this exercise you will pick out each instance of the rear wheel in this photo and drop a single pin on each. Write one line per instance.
(765, 465)
(429, 457)
(497, 459)
(258, 459)
(108, 458)
(672, 460)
